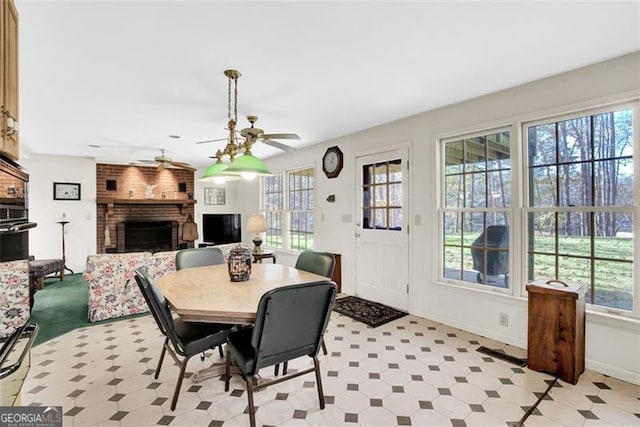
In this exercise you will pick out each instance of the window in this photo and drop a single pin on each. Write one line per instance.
(289, 210)
(382, 196)
(477, 200)
(580, 204)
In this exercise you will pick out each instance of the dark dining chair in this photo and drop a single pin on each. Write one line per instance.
(320, 263)
(199, 257)
(290, 323)
(181, 338)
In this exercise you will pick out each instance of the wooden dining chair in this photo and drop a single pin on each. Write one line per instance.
(290, 323)
(181, 338)
(199, 257)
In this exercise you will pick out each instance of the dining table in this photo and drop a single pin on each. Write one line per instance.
(207, 294)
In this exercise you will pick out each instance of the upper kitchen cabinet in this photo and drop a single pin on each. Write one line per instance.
(9, 79)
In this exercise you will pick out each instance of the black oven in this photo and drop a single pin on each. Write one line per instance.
(14, 212)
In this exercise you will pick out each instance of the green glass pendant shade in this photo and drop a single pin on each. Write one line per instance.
(247, 163)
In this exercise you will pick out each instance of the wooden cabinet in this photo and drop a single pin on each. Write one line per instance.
(556, 329)
(9, 79)
(337, 272)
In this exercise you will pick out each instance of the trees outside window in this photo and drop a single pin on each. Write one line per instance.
(580, 204)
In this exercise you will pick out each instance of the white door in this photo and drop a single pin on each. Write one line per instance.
(382, 239)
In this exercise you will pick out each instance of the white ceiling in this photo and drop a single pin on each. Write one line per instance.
(124, 75)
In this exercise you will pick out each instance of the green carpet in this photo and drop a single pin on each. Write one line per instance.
(61, 307)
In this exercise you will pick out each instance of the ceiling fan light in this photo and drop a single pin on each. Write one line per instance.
(247, 164)
(213, 172)
(220, 179)
(248, 176)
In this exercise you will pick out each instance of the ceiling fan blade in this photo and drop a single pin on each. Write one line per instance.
(211, 140)
(280, 136)
(279, 145)
(183, 165)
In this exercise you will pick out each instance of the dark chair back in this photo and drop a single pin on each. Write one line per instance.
(291, 321)
(321, 263)
(159, 308)
(199, 257)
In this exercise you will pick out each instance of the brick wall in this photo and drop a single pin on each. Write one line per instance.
(134, 179)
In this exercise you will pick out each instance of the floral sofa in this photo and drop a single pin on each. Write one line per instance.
(113, 291)
(14, 298)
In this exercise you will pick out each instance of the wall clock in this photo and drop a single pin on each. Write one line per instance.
(66, 191)
(332, 162)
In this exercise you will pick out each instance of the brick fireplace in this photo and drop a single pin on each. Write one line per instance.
(121, 200)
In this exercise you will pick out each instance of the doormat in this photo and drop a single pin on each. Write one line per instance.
(502, 356)
(368, 312)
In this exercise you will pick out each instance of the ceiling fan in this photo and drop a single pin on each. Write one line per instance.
(254, 134)
(163, 161)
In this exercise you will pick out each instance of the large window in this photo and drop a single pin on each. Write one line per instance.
(287, 202)
(477, 200)
(580, 204)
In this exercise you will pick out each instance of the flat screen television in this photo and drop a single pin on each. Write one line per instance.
(219, 229)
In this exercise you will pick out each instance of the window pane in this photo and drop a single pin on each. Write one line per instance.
(473, 227)
(614, 182)
(453, 262)
(614, 242)
(453, 158)
(380, 195)
(475, 159)
(575, 185)
(613, 134)
(574, 140)
(395, 195)
(542, 232)
(542, 186)
(454, 196)
(543, 267)
(475, 196)
(575, 270)
(574, 233)
(367, 197)
(452, 228)
(395, 171)
(367, 218)
(542, 144)
(613, 285)
(498, 151)
(380, 218)
(395, 219)
(499, 187)
(380, 173)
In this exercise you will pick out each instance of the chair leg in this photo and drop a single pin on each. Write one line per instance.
(324, 347)
(220, 350)
(276, 368)
(164, 350)
(176, 393)
(285, 365)
(252, 409)
(316, 363)
(227, 371)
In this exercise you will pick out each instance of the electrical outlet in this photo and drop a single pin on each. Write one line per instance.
(503, 319)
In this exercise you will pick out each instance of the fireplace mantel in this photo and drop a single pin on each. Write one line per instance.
(111, 202)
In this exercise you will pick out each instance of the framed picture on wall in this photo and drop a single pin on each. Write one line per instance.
(214, 196)
(66, 191)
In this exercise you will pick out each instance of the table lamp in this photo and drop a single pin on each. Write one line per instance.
(257, 224)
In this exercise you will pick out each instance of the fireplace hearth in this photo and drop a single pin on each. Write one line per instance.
(151, 236)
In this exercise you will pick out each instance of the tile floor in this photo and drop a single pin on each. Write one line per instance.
(408, 372)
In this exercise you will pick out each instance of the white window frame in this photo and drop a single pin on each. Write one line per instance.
(509, 210)
(633, 209)
(286, 212)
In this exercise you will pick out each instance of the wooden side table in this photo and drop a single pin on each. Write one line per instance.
(259, 256)
(556, 329)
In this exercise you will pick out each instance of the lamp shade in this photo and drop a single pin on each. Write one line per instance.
(247, 164)
(256, 224)
(217, 173)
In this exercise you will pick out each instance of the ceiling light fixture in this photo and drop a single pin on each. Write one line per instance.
(246, 165)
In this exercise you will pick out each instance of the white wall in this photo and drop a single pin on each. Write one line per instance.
(612, 344)
(45, 241)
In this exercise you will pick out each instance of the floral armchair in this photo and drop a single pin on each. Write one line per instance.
(14, 298)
